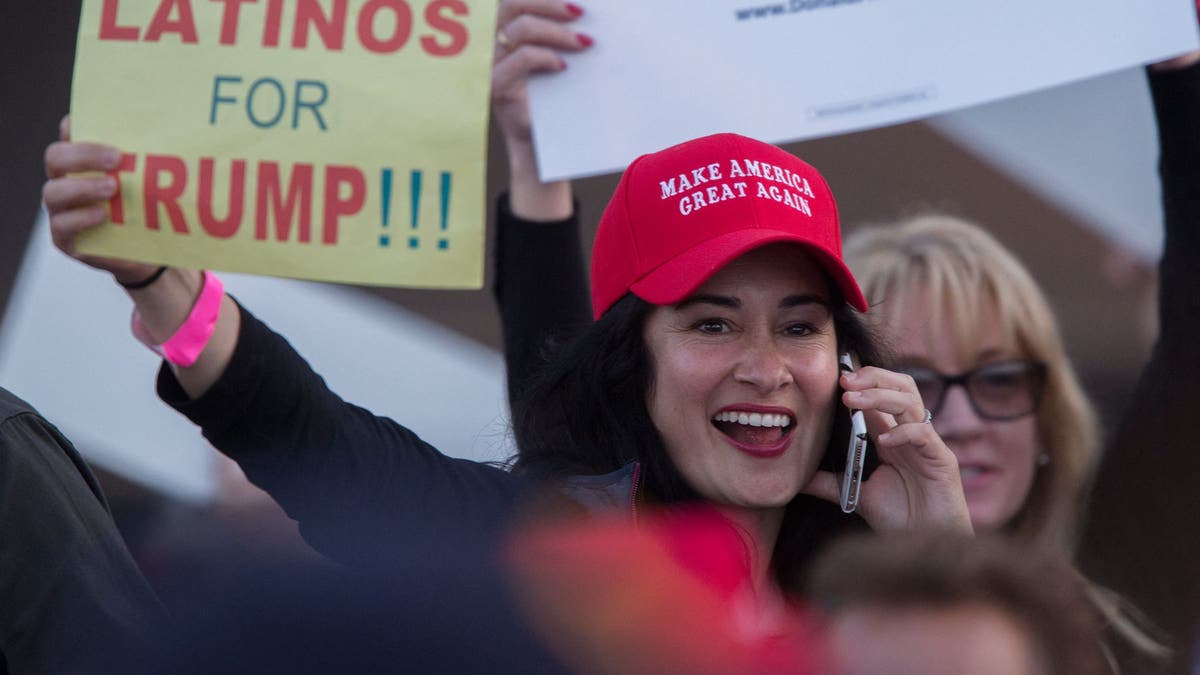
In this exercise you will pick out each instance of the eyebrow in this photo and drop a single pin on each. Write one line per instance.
(916, 361)
(804, 299)
(731, 302)
(993, 353)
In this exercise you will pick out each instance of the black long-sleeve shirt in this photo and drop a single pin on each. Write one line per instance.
(540, 287)
(364, 489)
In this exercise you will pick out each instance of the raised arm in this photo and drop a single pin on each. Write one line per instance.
(530, 35)
(540, 285)
(361, 486)
(1140, 537)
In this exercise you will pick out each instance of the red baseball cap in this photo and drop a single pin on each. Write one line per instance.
(681, 214)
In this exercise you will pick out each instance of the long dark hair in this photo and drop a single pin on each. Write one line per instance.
(585, 413)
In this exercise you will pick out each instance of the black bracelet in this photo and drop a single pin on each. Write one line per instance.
(137, 285)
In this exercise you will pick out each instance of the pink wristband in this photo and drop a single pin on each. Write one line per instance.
(184, 347)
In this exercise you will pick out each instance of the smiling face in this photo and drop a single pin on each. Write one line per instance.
(997, 459)
(745, 378)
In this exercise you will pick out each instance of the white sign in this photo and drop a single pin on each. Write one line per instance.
(664, 71)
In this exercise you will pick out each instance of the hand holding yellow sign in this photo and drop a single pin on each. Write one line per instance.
(340, 140)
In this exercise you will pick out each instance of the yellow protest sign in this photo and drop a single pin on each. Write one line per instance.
(340, 140)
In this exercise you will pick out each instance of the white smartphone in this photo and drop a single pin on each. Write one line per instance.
(856, 449)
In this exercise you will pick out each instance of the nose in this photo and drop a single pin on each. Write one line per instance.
(957, 420)
(762, 366)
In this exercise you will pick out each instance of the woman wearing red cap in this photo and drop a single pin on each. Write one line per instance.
(711, 374)
(973, 328)
(720, 311)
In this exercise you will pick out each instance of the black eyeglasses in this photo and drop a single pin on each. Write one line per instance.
(1004, 390)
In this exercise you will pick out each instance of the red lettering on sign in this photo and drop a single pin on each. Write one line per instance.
(337, 205)
(402, 26)
(274, 206)
(162, 22)
(229, 20)
(290, 207)
(222, 228)
(116, 206)
(167, 195)
(381, 26)
(457, 32)
(273, 24)
(109, 30)
(332, 29)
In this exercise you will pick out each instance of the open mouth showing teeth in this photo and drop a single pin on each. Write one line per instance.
(753, 428)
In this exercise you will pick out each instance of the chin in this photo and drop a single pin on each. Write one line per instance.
(985, 518)
(773, 499)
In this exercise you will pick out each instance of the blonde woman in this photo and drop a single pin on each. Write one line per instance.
(975, 332)
(970, 325)
(972, 328)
